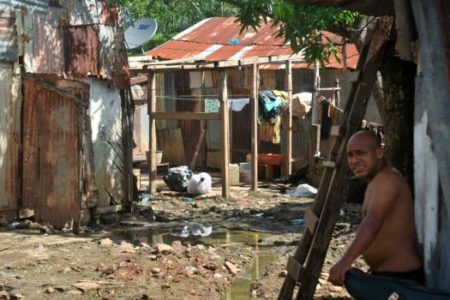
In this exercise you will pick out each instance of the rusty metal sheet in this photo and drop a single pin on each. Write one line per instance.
(10, 103)
(43, 46)
(113, 56)
(213, 40)
(81, 51)
(105, 112)
(52, 128)
(8, 35)
(89, 12)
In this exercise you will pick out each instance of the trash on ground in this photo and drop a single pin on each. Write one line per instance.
(303, 190)
(144, 198)
(195, 229)
(178, 178)
(200, 184)
(299, 221)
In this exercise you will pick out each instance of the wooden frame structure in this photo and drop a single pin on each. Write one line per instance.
(151, 68)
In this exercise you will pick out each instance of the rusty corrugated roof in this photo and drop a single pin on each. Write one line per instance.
(219, 39)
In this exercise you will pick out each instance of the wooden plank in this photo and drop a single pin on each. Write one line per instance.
(255, 140)
(329, 89)
(152, 131)
(337, 94)
(311, 220)
(190, 64)
(108, 209)
(166, 139)
(185, 116)
(199, 144)
(329, 164)
(294, 269)
(287, 157)
(335, 130)
(224, 112)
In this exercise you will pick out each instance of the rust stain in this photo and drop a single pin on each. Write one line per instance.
(81, 51)
(51, 151)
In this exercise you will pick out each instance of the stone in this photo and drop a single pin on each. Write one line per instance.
(86, 286)
(164, 248)
(283, 274)
(126, 247)
(231, 267)
(190, 270)
(50, 290)
(105, 242)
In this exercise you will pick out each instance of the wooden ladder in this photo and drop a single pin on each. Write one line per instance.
(305, 266)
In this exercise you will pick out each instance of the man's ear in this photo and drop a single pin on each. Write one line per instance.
(380, 152)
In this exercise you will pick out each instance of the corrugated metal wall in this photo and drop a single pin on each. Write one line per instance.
(52, 131)
(10, 103)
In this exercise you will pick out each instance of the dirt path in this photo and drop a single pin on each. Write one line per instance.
(148, 255)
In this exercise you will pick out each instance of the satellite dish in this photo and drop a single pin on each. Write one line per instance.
(140, 33)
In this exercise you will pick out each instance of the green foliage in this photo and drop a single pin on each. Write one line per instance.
(300, 25)
(174, 16)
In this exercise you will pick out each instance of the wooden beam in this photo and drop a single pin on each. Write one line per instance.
(287, 157)
(152, 130)
(185, 116)
(294, 269)
(311, 220)
(337, 94)
(224, 112)
(255, 140)
(190, 64)
(199, 144)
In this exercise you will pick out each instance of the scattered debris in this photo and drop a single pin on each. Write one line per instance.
(303, 190)
(85, 286)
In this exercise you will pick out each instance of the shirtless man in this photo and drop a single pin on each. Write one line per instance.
(386, 235)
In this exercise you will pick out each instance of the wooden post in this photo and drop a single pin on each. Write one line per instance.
(151, 108)
(338, 94)
(224, 112)
(287, 159)
(315, 110)
(255, 140)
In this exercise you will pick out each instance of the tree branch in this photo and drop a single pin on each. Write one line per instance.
(365, 7)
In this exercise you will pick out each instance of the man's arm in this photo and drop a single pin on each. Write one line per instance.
(384, 194)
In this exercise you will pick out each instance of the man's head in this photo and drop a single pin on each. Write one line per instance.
(365, 154)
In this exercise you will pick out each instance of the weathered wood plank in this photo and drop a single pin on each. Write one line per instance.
(224, 113)
(185, 116)
(255, 113)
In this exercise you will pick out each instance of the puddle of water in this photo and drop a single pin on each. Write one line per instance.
(240, 288)
(152, 236)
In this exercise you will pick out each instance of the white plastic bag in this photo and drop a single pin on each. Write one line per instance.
(303, 190)
(200, 184)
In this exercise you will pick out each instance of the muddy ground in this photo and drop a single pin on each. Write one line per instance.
(154, 254)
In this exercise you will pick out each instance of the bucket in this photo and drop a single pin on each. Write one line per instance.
(245, 169)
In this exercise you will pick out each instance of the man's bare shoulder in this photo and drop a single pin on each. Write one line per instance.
(389, 176)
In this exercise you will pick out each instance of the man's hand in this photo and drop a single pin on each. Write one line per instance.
(338, 271)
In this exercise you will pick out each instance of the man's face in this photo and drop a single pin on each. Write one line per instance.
(363, 156)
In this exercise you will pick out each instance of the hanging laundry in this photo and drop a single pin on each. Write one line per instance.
(238, 104)
(276, 138)
(325, 117)
(301, 104)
